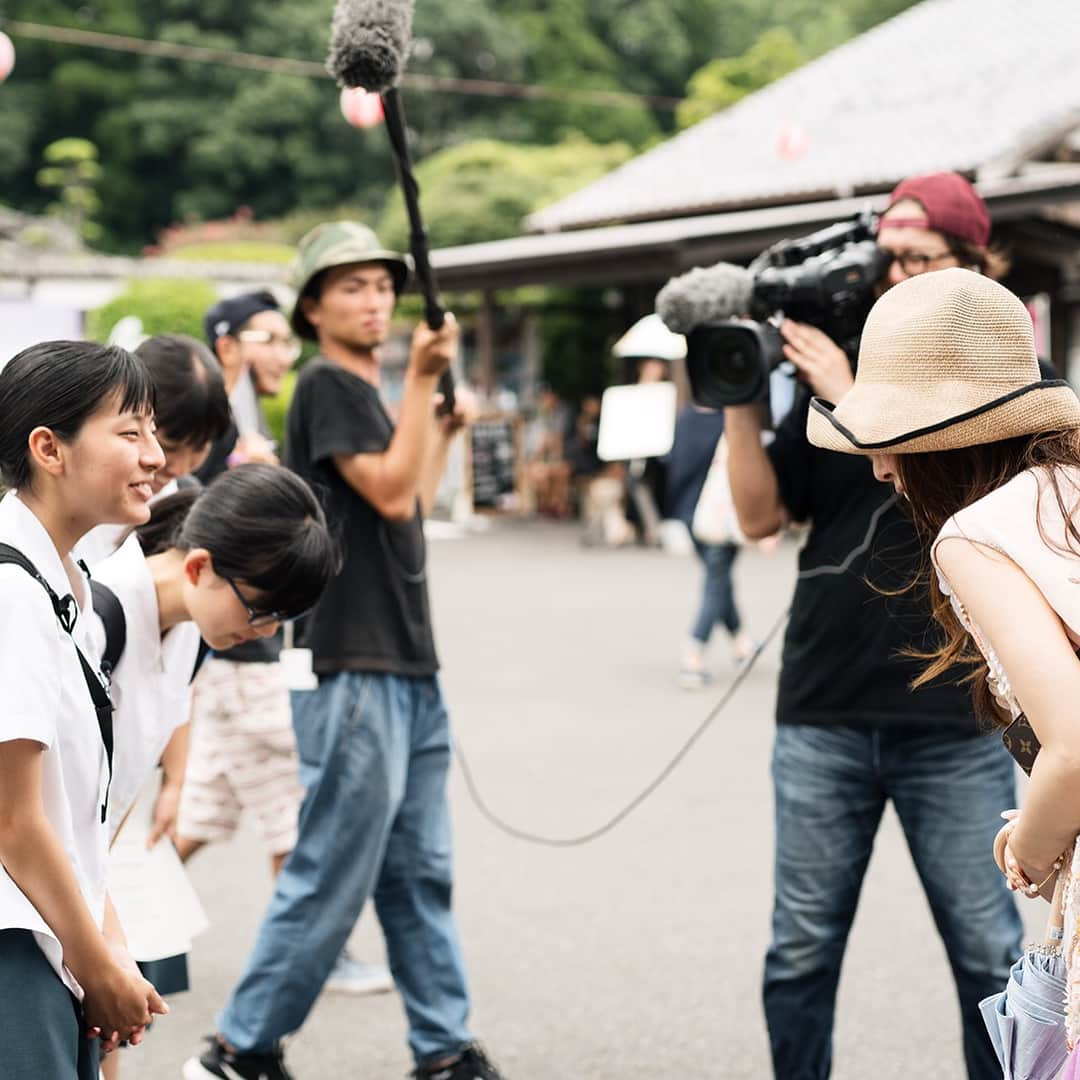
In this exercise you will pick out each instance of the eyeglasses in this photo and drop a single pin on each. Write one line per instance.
(286, 342)
(256, 618)
(914, 262)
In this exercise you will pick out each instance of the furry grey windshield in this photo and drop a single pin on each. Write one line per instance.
(705, 295)
(370, 42)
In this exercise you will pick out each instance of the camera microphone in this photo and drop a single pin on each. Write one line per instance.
(724, 349)
(369, 44)
(705, 295)
(730, 316)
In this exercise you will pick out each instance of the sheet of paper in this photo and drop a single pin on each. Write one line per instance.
(637, 421)
(156, 903)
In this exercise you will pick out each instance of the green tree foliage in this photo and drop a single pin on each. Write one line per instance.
(163, 306)
(483, 189)
(71, 173)
(183, 139)
(776, 39)
(721, 83)
(192, 141)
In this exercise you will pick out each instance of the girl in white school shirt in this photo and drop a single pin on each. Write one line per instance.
(77, 448)
(228, 562)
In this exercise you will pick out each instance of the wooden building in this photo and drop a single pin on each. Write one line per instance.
(982, 87)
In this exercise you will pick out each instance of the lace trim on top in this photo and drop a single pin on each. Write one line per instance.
(996, 678)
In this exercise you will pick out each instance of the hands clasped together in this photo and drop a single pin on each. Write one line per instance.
(119, 1004)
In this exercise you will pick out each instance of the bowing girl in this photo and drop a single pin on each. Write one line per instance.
(222, 564)
(226, 564)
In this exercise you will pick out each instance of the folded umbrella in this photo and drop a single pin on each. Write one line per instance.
(1026, 1021)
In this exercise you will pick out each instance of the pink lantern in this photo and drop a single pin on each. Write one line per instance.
(792, 143)
(7, 56)
(361, 109)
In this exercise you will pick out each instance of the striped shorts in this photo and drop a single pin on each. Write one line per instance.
(242, 759)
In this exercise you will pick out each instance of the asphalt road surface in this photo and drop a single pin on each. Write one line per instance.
(638, 955)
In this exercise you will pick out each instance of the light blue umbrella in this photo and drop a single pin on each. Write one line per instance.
(1026, 1021)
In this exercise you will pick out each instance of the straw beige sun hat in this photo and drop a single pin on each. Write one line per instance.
(947, 359)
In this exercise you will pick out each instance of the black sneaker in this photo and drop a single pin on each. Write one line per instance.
(217, 1063)
(472, 1065)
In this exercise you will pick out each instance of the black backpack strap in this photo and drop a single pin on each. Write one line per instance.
(107, 605)
(66, 610)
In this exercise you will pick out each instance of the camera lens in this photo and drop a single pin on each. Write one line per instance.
(726, 364)
(737, 364)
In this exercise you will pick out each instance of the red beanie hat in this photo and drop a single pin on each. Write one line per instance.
(952, 205)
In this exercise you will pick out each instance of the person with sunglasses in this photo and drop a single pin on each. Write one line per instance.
(256, 348)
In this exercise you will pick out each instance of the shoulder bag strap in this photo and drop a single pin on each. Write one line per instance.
(99, 695)
(107, 605)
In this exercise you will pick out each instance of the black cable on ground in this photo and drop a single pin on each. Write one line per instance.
(626, 811)
(601, 830)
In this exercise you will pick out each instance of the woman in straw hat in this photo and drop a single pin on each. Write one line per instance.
(949, 404)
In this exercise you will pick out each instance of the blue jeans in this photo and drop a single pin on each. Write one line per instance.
(718, 596)
(831, 786)
(374, 755)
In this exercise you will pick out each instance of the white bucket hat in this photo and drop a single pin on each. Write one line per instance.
(650, 339)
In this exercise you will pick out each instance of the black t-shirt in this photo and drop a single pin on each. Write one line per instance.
(842, 662)
(374, 616)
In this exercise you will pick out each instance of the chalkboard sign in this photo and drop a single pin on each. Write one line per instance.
(493, 463)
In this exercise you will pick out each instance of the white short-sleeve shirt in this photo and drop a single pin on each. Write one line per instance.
(44, 697)
(151, 684)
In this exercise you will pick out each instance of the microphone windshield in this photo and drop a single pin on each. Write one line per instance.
(705, 295)
(369, 43)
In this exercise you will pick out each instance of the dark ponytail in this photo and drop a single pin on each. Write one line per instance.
(59, 385)
(261, 525)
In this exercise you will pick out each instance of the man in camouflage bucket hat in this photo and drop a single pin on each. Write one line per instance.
(339, 243)
(373, 736)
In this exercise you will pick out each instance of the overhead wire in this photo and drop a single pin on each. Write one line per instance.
(284, 65)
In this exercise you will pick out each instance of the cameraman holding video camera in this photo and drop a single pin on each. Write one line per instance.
(850, 734)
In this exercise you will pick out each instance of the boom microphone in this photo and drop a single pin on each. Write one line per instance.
(705, 295)
(369, 43)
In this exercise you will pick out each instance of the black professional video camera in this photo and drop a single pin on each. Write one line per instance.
(827, 279)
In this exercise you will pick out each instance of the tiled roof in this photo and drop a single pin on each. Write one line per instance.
(970, 85)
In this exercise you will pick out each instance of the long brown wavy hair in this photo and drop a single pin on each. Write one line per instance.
(940, 483)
